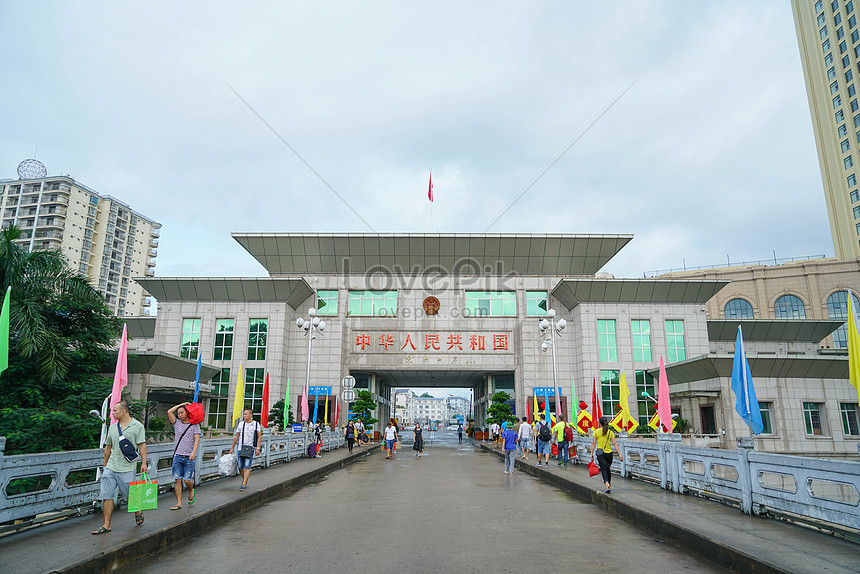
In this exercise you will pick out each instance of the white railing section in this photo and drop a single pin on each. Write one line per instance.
(51, 471)
(821, 489)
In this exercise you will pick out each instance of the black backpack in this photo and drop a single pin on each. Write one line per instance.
(544, 433)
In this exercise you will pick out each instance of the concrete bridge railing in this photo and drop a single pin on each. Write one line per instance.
(32, 484)
(816, 488)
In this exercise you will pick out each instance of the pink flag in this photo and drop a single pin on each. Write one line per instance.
(664, 409)
(120, 376)
(305, 410)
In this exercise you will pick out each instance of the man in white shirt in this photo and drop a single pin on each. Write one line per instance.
(523, 436)
(494, 430)
(390, 438)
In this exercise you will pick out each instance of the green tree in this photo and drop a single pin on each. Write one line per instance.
(61, 335)
(276, 415)
(426, 396)
(363, 407)
(500, 411)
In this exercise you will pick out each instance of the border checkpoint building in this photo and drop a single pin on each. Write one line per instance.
(462, 310)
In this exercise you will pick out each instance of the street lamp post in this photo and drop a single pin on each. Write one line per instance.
(311, 327)
(553, 327)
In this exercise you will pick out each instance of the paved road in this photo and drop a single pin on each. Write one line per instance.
(453, 510)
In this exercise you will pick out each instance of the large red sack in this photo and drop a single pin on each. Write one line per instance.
(195, 413)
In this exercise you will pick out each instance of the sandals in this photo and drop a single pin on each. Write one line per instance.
(138, 518)
(191, 497)
(177, 507)
(101, 530)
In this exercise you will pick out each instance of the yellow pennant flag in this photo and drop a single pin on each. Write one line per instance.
(626, 419)
(239, 398)
(535, 413)
(325, 421)
(853, 347)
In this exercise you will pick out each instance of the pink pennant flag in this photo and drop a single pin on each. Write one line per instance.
(664, 409)
(305, 411)
(120, 376)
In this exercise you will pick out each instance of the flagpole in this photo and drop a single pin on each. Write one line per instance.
(430, 195)
(744, 381)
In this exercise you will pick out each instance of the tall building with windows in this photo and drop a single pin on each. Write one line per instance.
(829, 40)
(99, 235)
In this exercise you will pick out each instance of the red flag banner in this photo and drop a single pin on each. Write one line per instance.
(430, 188)
(264, 416)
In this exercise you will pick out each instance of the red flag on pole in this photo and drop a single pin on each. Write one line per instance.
(595, 405)
(120, 377)
(430, 188)
(264, 416)
(336, 411)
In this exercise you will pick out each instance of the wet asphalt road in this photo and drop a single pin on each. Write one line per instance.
(452, 510)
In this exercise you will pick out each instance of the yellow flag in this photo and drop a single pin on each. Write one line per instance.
(853, 348)
(325, 422)
(239, 398)
(626, 418)
(535, 413)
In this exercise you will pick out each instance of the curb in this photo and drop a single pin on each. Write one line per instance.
(159, 540)
(695, 542)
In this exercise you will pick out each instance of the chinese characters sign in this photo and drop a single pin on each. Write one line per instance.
(445, 342)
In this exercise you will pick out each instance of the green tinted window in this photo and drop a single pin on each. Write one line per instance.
(372, 303)
(327, 302)
(675, 349)
(491, 304)
(607, 344)
(257, 335)
(641, 340)
(190, 338)
(536, 304)
(223, 340)
(610, 390)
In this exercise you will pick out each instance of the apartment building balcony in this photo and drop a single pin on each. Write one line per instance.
(48, 234)
(150, 263)
(13, 190)
(152, 253)
(153, 243)
(55, 198)
(155, 233)
(55, 222)
(53, 210)
(29, 200)
(149, 274)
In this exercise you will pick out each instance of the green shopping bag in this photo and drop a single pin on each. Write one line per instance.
(142, 494)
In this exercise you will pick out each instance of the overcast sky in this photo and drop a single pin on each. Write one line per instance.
(710, 154)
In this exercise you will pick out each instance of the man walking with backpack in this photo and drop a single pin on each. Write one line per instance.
(562, 439)
(543, 433)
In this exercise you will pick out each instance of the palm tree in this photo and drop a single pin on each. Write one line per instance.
(54, 311)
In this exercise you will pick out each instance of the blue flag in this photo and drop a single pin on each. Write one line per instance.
(197, 377)
(546, 410)
(742, 386)
(316, 406)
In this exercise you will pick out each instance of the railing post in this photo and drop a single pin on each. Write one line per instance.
(669, 464)
(267, 440)
(622, 443)
(745, 445)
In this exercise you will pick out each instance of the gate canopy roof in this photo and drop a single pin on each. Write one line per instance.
(256, 289)
(469, 254)
(572, 292)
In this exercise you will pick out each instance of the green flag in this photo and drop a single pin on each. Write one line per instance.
(4, 331)
(287, 406)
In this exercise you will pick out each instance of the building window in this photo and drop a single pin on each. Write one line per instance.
(845, 145)
(372, 303)
(849, 6)
(675, 348)
(223, 340)
(852, 180)
(812, 418)
(837, 101)
(641, 329)
(843, 131)
(818, 6)
(846, 62)
(857, 212)
(854, 105)
(190, 338)
(607, 344)
(491, 304)
(843, 47)
(852, 21)
(834, 87)
(855, 196)
(840, 116)
(828, 60)
(831, 73)
(257, 339)
(765, 409)
(646, 406)
(837, 310)
(738, 309)
(825, 46)
(850, 420)
(789, 307)
(834, 5)
(610, 389)
(327, 302)
(536, 304)
(849, 162)
(849, 76)
(821, 19)
(254, 381)
(855, 37)
(218, 401)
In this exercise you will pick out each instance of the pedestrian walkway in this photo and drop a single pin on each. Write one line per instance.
(68, 546)
(720, 533)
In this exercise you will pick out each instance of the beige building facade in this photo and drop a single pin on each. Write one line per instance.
(828, 36)
(99, 235)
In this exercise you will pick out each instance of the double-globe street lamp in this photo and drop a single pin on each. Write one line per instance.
(553, 326)
(311, 327)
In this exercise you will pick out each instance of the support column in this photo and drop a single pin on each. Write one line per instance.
(669, 465)
(745, 445)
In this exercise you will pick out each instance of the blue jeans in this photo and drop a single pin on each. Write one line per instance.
(183, 468)
(563, 452)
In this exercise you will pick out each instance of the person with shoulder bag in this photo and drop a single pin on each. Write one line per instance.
(186, 441)
(124, 446)
(251, 434)
(604, 440)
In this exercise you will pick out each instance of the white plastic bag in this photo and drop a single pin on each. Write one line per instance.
(227, 464)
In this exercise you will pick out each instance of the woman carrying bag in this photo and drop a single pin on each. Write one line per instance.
(418, 443)
(604, 440)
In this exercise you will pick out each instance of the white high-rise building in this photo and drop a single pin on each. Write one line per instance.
(99, 235)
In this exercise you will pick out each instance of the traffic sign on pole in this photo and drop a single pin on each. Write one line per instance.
(348, 395)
